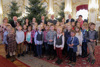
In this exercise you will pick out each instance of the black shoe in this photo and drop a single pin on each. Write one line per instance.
(93, 61)
(22, 54)
(52, 58)
(8, 56)
(48, 58)
(57, 61)
(18, 55)
(88, 60)
(35, 55)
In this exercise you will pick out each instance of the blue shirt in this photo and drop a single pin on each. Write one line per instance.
(5, 37)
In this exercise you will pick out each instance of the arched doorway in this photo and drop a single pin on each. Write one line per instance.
(82, 10)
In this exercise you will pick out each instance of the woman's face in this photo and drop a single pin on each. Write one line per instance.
(77, 29)
(27, 20)
(5, 21)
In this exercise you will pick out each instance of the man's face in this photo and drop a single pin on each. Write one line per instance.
(69, 16)
(15, 18)
(42, 17)
(52, 16)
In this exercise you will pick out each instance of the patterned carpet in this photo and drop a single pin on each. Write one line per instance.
(81, 62)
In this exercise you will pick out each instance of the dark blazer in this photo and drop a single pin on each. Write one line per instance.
(53, 21)
(12, 24)
(72, 20)
(75, 42)
(45, 22)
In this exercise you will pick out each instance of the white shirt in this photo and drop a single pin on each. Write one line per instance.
(63, 41)
(19, 36)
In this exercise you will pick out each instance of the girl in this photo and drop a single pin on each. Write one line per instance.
(45, 40)
(78, 24)
(27, 22)
(25, 42)
(12, 44)
(28, 39)
(59, 44)
(32, 36)
(38, 39)
(79, 35)
(73, 25)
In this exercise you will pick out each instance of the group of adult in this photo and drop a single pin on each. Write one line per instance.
(15, 21)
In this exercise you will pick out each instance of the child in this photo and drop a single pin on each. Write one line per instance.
(1, 34)
(91, 37)
(50, 41)
(73, 25)
(28, 39)
(32, 35)
(20, 40)
(45, 40)
(67, 35)
(84, 43)
(11, 44)
(59, 44)
(25, 42)
(38, 39)
(80, 38)
(72, 43)
(8, 27)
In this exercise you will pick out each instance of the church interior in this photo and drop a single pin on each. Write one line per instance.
(89, 9)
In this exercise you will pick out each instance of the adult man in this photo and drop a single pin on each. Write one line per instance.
(70, 19)
(52, 20)
(43, 20)
(14, 22)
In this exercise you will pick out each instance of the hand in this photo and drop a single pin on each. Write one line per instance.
(61, 48)
(35, 44)
(54, 47)
(95, 40)
(80, 45)
(19, 43)
(50, 40)
(72, 44)
(91, 40)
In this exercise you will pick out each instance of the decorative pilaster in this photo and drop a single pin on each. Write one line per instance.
(93, 10)
(1, 12)
(50, 10)
(68, 8)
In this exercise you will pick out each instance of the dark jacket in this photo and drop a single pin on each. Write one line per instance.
(72, 20)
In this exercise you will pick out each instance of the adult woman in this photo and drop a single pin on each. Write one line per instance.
(27, 22)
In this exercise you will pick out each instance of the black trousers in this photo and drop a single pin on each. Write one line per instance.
(34, 47)
(51, 50)
(84, 48)
(72, 55)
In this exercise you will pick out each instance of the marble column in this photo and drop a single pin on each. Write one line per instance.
(50, 8)
(1, 12)
(68, 8)
(93, 10)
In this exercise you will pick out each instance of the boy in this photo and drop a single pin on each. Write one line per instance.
(72, 43)
(38, 39)
(50, 41)
(59, 44)
(20, 40)
(91, 37)
(84, 43)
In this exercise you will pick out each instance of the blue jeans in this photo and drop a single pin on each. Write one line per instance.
(39, 50)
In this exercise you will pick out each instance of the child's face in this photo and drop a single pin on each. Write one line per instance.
(73, 24)
(52, 28)
(72, 34)
(34, 27)
(46, 28)
(92, 27)
(25, 27)
(29, 28)
(39, 28)
(19, 28)
(59, 30)
(77, 29)
(69, 28)
(83, 27)
(27, 20)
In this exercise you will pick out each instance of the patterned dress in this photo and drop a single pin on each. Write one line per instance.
(11, 42)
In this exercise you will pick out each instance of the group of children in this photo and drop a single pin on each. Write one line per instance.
(68, 38)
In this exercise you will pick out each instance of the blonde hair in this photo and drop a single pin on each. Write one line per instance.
(59, 27)
(5, 18)
(79, 30)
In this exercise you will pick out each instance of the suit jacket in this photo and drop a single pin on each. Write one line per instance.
(13, 24)
(75, 42)
(72, 20)
(45, 22)
(53, 21)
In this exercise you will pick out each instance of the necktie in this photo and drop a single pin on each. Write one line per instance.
(71, 40)
(58, 37)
